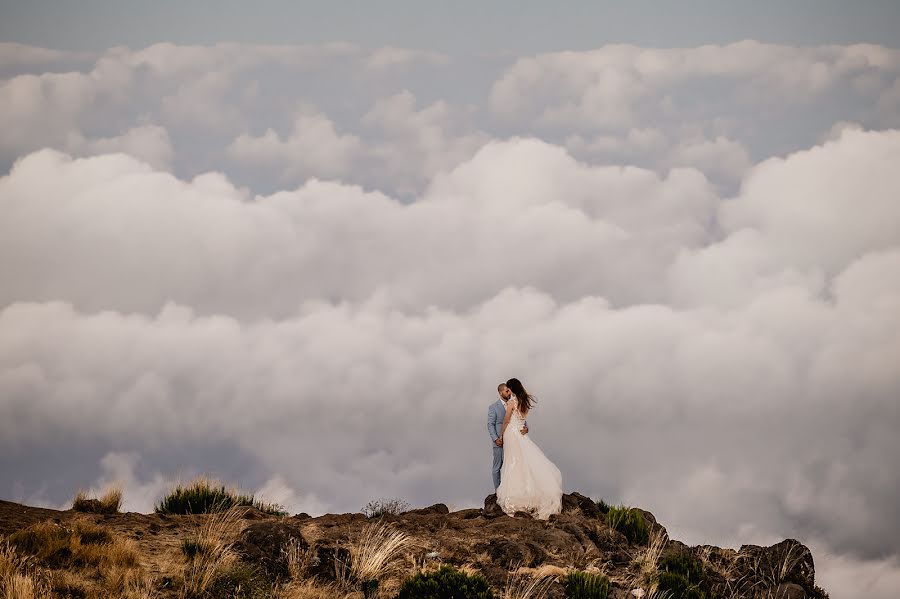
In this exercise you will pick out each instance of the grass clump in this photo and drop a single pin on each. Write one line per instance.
(381, 507)
(210, 559)
(17, 578)
(375, 555)
(204, 496)
(79, 553)
(586, 585)
(681, 575)
(603, 506)
(239, 581)
(446, 583)
(84, 543)
(109, 503)
(630, 522)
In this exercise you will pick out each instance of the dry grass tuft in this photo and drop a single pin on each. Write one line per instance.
(109, 503)
(214, 554)
(377, 552)
(310, 589)
(18, 580)
(647, 559)
(526, 585)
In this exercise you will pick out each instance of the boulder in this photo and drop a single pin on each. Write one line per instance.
(264, 543)
(436, 509)
(788, 561)
(789, 590)
(328, 562)
(491, 508)
(577, 501)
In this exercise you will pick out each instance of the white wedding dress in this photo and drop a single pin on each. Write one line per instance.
(529, 482)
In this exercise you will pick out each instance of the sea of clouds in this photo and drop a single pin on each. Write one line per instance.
(304, 269)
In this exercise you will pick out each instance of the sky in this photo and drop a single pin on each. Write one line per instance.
(297, 247)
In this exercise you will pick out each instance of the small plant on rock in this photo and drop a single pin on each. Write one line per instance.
(586, 585)
(446, 583)
(379, 507)
(630, 522)
(681, 576)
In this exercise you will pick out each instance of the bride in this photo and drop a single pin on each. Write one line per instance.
(529, 482)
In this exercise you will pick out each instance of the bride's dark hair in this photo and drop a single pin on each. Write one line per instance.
(522, 396)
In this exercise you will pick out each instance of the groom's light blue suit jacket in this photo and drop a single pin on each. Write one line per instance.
(496, 415)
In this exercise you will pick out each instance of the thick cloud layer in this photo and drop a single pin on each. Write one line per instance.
(315, 299)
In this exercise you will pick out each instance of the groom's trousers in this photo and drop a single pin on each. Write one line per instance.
(498, 463)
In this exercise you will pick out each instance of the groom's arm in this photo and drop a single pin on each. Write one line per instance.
(492, 424)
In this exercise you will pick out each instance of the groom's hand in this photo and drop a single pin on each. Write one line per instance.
(524, 430)
(498, 441)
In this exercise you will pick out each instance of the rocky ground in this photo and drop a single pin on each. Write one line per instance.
(506, 550)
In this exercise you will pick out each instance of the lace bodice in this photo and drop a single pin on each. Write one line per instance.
(516, 420)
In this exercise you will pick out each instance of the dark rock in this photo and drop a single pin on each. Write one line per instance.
(264, 543)
(789, 590)
(341, 519)
(467, 514)
(302, 516)
(577, 501)
(580, 534)
(790, 560)
(328, 562)
(491, 508)
(653, 525)
(90, 506)
(436, 509)
(521, 514)
(515, 554)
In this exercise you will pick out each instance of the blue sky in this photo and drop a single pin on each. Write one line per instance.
(456, 27)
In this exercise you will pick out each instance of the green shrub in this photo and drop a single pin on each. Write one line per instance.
(446, 583)
(586, 585)
(630, 522)
(603, 506)
(683, 564)
(681, 575)
(203, 497)
(380, 507)
(678, 587)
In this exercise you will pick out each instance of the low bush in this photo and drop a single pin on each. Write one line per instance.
(586, 585)
(681, 575)
(630, 522)
(446, 583)
(380, 507)
(603, 506)
(203, 496)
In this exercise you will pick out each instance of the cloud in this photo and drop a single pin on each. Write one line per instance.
(148, 143)
(313, 148)
(610, 87)
(521, 189)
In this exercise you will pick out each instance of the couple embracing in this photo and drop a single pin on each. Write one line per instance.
(524, 479)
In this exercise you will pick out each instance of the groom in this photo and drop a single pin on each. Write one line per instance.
(496, 415)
